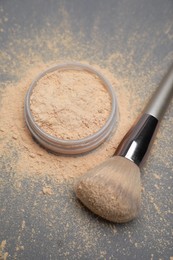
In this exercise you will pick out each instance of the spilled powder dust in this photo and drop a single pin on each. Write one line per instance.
(31, 159)
(47, 190)
(3, 253)
(70, 104)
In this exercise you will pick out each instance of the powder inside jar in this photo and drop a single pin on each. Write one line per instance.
(70, 104)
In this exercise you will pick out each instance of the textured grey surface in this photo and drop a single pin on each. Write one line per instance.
(57, 226)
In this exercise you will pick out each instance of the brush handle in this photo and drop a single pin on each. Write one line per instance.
(137, 141)
(161, 98)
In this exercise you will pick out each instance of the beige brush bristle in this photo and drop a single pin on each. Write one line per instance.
(112, 190)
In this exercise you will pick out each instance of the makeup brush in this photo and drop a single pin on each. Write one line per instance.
(112, 190)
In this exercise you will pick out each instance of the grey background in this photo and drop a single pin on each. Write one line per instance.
(63, 228)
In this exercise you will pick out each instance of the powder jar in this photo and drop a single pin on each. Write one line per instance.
(72, 147)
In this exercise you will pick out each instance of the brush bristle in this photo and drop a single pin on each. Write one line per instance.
(112, 190)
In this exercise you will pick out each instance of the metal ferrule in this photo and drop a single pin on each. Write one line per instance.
(136, 142)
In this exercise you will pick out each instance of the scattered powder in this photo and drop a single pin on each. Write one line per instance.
(70, 104)
(18, 241)
(30, 158)
(3, 254)
(157, 176)
(47, 190)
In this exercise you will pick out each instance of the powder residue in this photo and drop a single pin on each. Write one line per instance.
(3, 254)
(47, 190)
(70, 104)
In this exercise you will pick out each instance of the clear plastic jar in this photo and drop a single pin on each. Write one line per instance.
(79, 146)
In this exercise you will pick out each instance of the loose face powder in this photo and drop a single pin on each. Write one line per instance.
(71, 108)
(70, 104)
